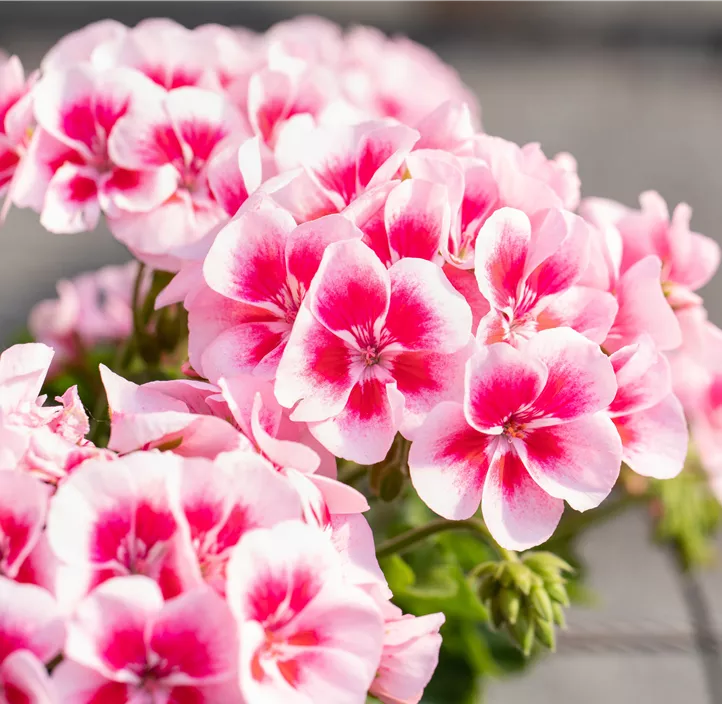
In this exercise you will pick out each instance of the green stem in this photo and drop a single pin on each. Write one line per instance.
(353, 474)
(403, 542)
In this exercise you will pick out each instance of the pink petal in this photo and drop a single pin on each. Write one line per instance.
(417, 218)
(381, 151)
(464, 281)
(577, 461)
(137, 191)
(308, 242)
(76, 684)
(449, 127)
(350, 293)
(701, 265)
(29, 620)
(365, 429)
(22, 373)
(655, 439)
(643, 309)
(448, 462)
(501, 251)
(425, 311)
(71, 201)
(589, 311)
(411, 654)
(234, 173)
(24, 680)
(643, 377)
(202, 119)
(353, 540)
(517, 511)
(23, 506)
(195, 635)
(317, 369)
(278, 571)
(559, 252)
(500, 380)
(247, 262)
(108, 630)
(425, 379)
(580, 377)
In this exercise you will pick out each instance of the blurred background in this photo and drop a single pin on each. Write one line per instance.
(634, 92)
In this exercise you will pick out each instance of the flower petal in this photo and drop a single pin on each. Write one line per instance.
(577, 461)
(517, 511)
(448, 462)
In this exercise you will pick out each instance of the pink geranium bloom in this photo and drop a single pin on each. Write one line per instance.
(528, 436)
(295, 456)
(125, 644)
(648, 416)
(527, 269)
(167, 415)
(16, 118)
(409, 658)
(115, 519)
(306, 634)
(372, 350)
(175, 136)
(218, 503)
(91, 309)
(78, 108)
(262, 265)
(689, 260)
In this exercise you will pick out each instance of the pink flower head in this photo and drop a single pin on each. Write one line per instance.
(174, 136)
(410, 656)
(306, 634)
(114, 519)
(91, 309)
(167, 415)
(125, 644)
(16, 118)
(689, 260)
(648, 416)
(291, 452)
(78, 109)
(372, 350)
(527, 267)
(261, 265)
(219, 502)
(528, 436)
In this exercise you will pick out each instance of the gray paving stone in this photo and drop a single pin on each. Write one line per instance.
(606, 679)
(638, 592)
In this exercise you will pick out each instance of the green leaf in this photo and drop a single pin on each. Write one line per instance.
(398, 574)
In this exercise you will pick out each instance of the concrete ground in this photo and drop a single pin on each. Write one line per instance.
(635, 119)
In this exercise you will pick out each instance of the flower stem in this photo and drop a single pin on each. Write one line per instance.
(403, 542)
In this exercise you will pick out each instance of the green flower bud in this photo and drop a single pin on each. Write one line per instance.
(541, 602)
(558, 593)
(509, 603)
(545, 634)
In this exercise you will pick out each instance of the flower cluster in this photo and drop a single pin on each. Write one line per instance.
(358, 262)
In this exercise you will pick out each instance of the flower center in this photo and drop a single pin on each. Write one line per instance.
(370, 355)
(514, 429)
